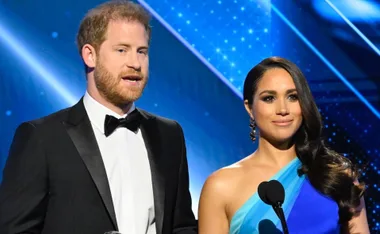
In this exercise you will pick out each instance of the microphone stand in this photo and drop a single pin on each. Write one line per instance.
(280, 213)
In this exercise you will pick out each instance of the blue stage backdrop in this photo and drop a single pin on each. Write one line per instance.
(200, 54)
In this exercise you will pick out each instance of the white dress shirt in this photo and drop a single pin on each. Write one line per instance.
(127, 166)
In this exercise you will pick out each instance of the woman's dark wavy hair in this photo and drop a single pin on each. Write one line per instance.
(329, 172)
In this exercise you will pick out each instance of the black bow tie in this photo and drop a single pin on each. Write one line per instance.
(132, 122)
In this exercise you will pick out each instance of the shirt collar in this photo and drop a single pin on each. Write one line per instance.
(97, 112)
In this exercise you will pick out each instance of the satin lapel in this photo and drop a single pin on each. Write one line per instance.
(80, 130)
(153, 145)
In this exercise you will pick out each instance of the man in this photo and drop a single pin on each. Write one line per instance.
(101, 165)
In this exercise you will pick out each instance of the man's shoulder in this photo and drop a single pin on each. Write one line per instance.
(52, 119)
(45, 126)
(160, 119)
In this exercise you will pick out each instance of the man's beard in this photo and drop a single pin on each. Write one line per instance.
(111, 89)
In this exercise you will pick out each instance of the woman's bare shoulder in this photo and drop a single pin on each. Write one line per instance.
(227, 178)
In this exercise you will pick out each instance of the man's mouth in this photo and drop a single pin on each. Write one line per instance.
(132, 78)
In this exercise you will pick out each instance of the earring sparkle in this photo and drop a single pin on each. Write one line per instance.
(252, 125)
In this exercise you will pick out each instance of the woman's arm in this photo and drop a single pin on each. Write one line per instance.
(212, 213)
(359, 224)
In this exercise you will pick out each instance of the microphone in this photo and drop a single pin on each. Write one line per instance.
(273, 193)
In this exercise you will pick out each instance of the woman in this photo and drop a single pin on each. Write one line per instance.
(322, 194)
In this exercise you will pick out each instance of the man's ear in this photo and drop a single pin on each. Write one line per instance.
(89, 55)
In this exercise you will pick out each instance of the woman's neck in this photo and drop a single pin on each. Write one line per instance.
(279, 155)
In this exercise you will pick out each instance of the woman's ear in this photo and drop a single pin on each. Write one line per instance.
(248, 108)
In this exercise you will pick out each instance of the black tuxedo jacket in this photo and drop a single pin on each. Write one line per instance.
(54, 181)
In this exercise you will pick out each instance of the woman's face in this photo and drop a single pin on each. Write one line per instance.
(275, 107)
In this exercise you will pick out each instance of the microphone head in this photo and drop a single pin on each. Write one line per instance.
(262, 191)
(275, 193)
